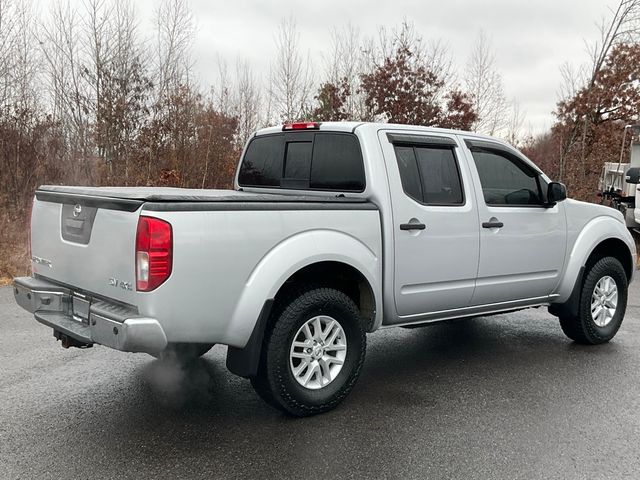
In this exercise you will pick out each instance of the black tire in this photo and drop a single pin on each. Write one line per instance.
(582, 328)
(183, 352)
(275, 382)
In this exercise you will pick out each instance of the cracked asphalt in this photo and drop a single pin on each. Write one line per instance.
(499, 397)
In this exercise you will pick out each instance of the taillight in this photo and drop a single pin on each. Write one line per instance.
(301, 126)
(154, 253)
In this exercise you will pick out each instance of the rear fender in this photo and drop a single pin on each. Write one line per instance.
(290, 256)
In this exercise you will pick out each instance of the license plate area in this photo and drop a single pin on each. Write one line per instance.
(81, 305)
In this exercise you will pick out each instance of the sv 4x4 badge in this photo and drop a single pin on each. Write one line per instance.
(114, 282)
(42, 261)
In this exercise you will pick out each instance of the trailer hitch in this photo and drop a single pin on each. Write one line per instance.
(68, 342)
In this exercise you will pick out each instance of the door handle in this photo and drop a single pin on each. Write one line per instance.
(492, 224)
(412, 226)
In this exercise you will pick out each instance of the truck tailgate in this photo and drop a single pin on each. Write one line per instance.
(86, 242)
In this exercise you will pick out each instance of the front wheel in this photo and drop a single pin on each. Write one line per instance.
(312, 354)
(603, 302)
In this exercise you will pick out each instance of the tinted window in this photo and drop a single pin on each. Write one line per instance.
(320, 161)
(430, 174)
(506, 180)
(409, 174)
(337, 163)
(297, 164)
(262, 163)
(440, 177)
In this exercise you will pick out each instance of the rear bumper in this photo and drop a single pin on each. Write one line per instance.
(107, 324)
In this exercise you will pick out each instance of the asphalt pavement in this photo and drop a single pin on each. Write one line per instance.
(498, 397)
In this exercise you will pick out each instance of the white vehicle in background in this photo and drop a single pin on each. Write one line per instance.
(334, 230)
(619, 181)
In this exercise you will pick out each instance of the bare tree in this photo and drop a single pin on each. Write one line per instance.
(514, 125)
(96, 39)
(175, 32)
(98, 82)
(237, 95)
(8, 43)
(344, 66)
(484, 83)
(247, 102)
(222, 91)
(19, 62)
(119, 82)
(290, 81)
(21, 124)
(624, 25)
(573, 80)
(63, 56)
(438, 59)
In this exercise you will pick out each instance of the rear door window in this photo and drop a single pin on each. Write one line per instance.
(440, 177)
(409, 174)
(304, 161)
(430, 174)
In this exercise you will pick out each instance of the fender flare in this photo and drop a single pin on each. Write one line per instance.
(593, 234)
(291, 255)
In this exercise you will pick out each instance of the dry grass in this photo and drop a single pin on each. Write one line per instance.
(14, 249)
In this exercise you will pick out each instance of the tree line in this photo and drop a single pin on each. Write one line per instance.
(598, 98)
(86, 98)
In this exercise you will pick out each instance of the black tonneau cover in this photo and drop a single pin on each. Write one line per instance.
(168, 198)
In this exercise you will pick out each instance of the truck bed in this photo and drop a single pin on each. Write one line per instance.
(84, 238)
(64, 194)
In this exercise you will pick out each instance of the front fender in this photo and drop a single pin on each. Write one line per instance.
(592, 234)
(290, 256)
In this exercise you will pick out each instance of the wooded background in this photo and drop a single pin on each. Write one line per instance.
(85, 100)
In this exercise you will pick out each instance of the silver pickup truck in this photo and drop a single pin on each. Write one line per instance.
(333, 230)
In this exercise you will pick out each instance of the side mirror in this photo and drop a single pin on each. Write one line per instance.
(633, 176)
(556, 192)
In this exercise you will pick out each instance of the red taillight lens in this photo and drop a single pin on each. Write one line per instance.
(154, 253)
(301, 126)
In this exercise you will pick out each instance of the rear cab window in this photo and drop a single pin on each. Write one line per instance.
(323, 161)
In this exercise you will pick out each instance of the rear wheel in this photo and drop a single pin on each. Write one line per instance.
(312, 354)
(183, 352)
(603, 302)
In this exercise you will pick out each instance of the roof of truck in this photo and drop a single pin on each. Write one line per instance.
(352, 126)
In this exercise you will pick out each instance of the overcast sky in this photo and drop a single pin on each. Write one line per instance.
(531, 39)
